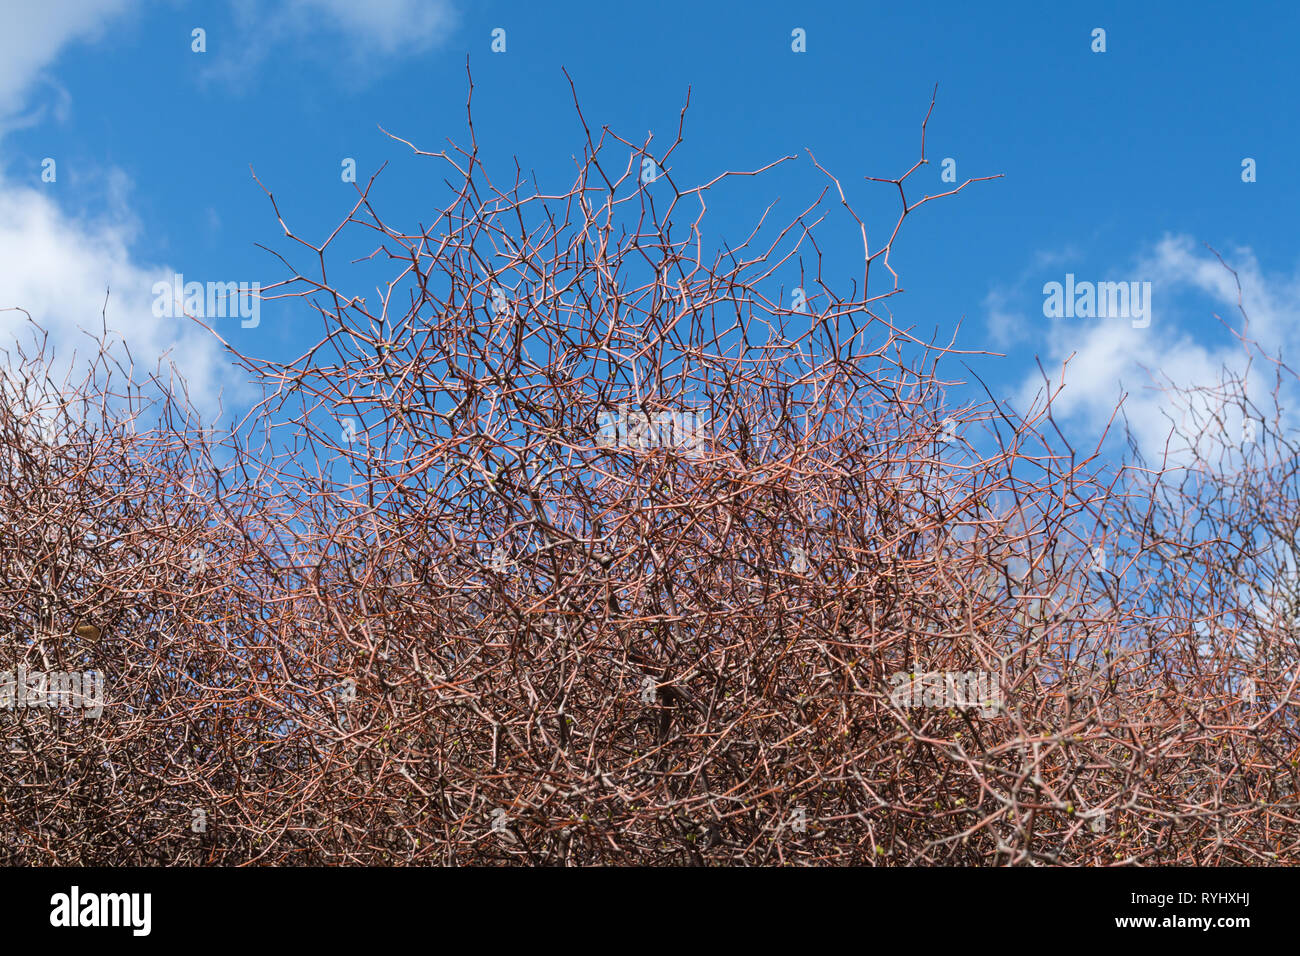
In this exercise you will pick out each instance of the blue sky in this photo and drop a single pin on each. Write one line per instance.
(1117, 165)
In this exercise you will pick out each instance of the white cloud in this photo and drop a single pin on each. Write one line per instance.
(1108, 357)
(58, 269)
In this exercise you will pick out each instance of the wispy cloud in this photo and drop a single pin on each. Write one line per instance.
(1007, 322)
(364, 36)
(33, 36)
